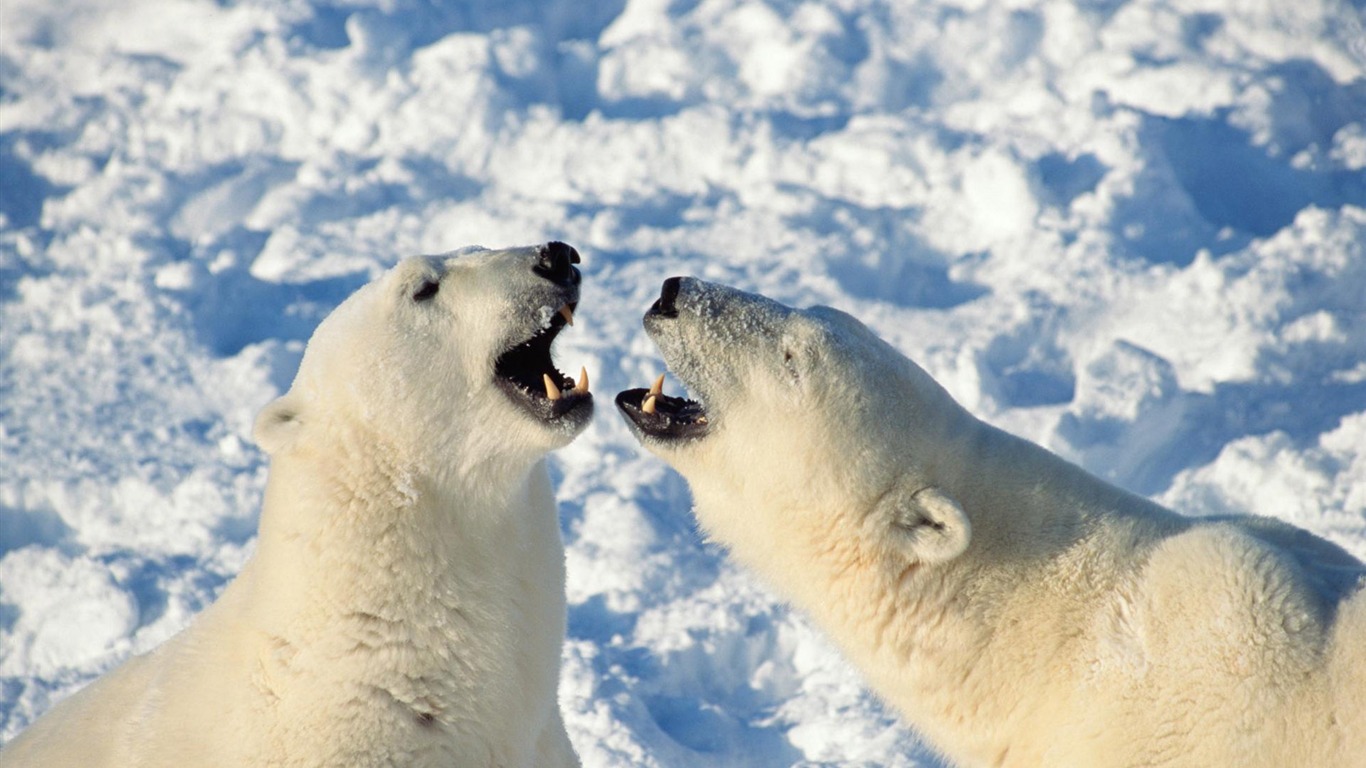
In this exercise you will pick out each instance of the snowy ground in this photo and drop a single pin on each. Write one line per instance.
(1131, 230)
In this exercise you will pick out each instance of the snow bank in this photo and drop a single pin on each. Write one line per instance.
(1128, 229)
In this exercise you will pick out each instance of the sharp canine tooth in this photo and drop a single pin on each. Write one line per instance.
(582, 387)
(551, 391)
(657, 388)
(649, 405)
(567, 314)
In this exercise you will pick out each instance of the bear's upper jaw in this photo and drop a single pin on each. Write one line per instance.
(528, 375)
(656, 415)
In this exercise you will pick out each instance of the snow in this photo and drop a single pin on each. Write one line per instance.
(1131, 230)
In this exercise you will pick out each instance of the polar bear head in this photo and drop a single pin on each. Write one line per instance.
(442, 360)
(804, 421)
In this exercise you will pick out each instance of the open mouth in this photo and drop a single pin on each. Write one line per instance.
(652, 413)
(663, 417)
(529, 376)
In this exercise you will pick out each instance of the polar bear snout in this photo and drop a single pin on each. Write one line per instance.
(555, 262)
(710, 336)
(524, 368)
(665, 305)
(650, 413)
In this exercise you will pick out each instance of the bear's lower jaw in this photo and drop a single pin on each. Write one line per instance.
(660, 417)
(573, 405)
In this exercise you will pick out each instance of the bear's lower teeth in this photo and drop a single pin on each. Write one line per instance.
(652, 397)
(553, 391)
(663, 416)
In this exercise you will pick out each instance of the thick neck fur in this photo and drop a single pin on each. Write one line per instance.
(382, 572)
(358, 487)
(952, 628)
(1046, 524)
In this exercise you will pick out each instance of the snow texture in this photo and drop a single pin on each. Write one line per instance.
(1131, 230)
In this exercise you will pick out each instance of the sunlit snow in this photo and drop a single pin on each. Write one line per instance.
(1131, 230)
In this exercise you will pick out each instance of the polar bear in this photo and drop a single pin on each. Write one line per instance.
(405, 603)
(1015, 609)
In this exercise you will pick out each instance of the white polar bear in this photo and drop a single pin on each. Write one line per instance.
(1017, 610)
(405, 604)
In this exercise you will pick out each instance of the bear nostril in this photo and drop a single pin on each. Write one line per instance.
(555, 262)
(664, 306)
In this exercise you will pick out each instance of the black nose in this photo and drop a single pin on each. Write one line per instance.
(555, 262)
(664, 305)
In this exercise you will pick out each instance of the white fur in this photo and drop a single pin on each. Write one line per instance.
(1017, 610)
(405, 604)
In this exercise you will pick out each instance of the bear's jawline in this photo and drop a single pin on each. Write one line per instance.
(675, 418)
(521, 372)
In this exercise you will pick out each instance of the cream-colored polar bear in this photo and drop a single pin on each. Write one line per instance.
(1015, 609)
(405, 604)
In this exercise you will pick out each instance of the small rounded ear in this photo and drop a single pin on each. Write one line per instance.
(803, 346)
(419, 278)
(277, 426)
(930, 525)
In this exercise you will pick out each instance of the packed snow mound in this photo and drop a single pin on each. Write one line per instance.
(1131, 230)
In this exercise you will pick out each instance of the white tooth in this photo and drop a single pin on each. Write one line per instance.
(582, 387)
(567, 314)
(551, 391)
(649, 405)
(657, 388)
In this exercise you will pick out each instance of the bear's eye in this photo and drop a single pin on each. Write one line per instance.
(789, 362)
(427, 290)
